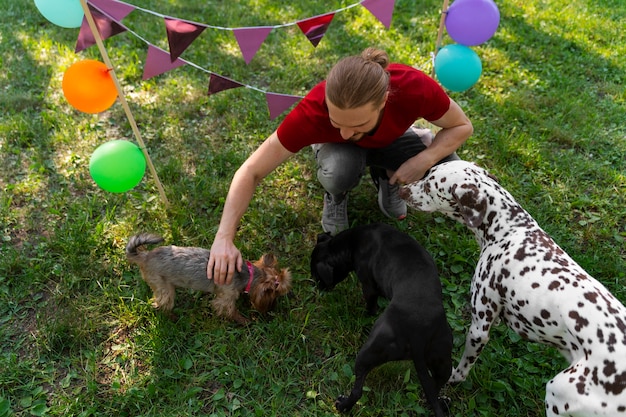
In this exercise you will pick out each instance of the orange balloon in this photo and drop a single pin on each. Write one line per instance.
(89, 87)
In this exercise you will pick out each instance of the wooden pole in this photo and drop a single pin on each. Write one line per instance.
(442, 22)
(120, 92)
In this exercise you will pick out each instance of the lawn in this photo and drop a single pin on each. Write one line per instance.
(78, 336)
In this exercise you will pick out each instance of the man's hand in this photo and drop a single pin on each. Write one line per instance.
(224, 259)
(410, 171)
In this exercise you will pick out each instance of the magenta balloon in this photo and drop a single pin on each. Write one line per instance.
(472, 22)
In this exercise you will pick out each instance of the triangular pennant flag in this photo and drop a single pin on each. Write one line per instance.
(158, 61)
(106, 27)
(180, 34)
(115, 9)
(250, 40)
(381, 9)
(278, 103)
(218, 83)
(314, 28)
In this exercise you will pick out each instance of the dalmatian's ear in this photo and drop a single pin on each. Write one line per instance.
(471, 203)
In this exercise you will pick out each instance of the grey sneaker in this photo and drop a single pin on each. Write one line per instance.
(335, 214)
(389, 201)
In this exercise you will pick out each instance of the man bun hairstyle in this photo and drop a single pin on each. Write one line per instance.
(358, 80)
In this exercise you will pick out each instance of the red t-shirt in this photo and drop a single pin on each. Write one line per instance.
(412, 95)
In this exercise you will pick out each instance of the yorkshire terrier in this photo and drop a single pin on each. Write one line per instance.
(166, 267)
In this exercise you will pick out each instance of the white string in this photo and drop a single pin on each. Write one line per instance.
(211, 27)
(233, 28)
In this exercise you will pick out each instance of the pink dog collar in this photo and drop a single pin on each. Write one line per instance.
(251, 271)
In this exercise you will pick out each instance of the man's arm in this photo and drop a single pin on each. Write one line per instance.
(456, 128)
(225, 256)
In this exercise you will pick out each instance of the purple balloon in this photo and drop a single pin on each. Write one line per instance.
(472, 22)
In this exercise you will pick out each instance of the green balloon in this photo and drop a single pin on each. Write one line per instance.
(117, 166)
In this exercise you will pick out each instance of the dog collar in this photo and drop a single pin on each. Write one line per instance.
(251, 271)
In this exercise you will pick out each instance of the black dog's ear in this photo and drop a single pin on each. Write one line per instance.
(324, 237)
(323, 274)
(321, 270)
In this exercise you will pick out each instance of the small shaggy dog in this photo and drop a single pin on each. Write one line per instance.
(167, 267)
(391, 264)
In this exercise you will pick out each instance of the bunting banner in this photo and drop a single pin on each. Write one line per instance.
(315, 28)
(106, 19)
(251, 39)
(115, 9)
(181, 34)
(218, 83)
(158, 61)
(278, 103)
(381, 9)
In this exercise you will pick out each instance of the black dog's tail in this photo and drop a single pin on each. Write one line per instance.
(137, 241)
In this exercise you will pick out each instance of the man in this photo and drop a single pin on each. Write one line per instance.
(362, 115)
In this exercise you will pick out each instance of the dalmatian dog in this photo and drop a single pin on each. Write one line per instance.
(524, 278)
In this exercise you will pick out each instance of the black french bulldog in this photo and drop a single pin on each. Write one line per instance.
(391, 264)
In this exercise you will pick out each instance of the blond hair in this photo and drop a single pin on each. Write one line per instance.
(358, 80)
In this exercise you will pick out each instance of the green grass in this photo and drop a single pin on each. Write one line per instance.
(77, 334)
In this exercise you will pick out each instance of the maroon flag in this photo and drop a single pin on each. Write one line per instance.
(381, 9)
(218, 83)
(115, 9)
(181, 34)
(108, 25)
(315, 28)
(158, 61)
(278, 103)
(250, 40)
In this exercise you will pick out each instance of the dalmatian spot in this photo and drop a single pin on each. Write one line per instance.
(554, 285)
(609, 368)
(522, 254)
(580, 321)
(617, 385)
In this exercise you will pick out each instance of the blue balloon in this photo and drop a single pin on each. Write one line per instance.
(457, 67)
(64, 13)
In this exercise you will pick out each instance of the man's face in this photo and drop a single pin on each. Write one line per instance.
(355, 123)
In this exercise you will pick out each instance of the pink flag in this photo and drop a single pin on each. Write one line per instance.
(381, 9)
(180, 34)
(250, 40)
(315, 28)
(108, 25)
(158, 61)
(218, 83)
(278, 103)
